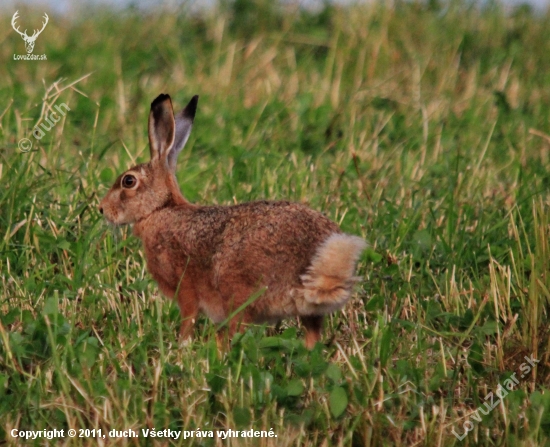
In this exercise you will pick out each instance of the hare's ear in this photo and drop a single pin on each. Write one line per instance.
(161, 127)
(184, 123)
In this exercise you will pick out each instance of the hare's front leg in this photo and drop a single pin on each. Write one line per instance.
(189, 308)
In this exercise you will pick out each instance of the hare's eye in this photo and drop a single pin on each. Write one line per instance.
(129, 181)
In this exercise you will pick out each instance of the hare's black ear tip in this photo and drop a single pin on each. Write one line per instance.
(160, 99)
(191, 108)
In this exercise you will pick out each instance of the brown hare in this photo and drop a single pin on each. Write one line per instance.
(254, 262)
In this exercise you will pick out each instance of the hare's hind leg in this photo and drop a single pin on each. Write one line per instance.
(237, 324)
(235, 295)
(313, 325)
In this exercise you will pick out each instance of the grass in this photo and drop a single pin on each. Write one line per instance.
(422, 128)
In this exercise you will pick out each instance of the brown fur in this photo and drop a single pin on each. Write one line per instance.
(212, 259)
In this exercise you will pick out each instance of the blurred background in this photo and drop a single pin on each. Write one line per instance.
(68, 6)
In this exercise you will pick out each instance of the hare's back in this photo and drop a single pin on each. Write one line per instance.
(271, 243)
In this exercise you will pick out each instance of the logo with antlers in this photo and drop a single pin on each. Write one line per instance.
(29, 40)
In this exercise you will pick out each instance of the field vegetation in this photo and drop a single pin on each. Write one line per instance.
(423, 127)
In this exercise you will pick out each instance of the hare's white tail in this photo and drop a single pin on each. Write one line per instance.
(330, 277)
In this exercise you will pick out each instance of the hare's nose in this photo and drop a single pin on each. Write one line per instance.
(101, 209)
